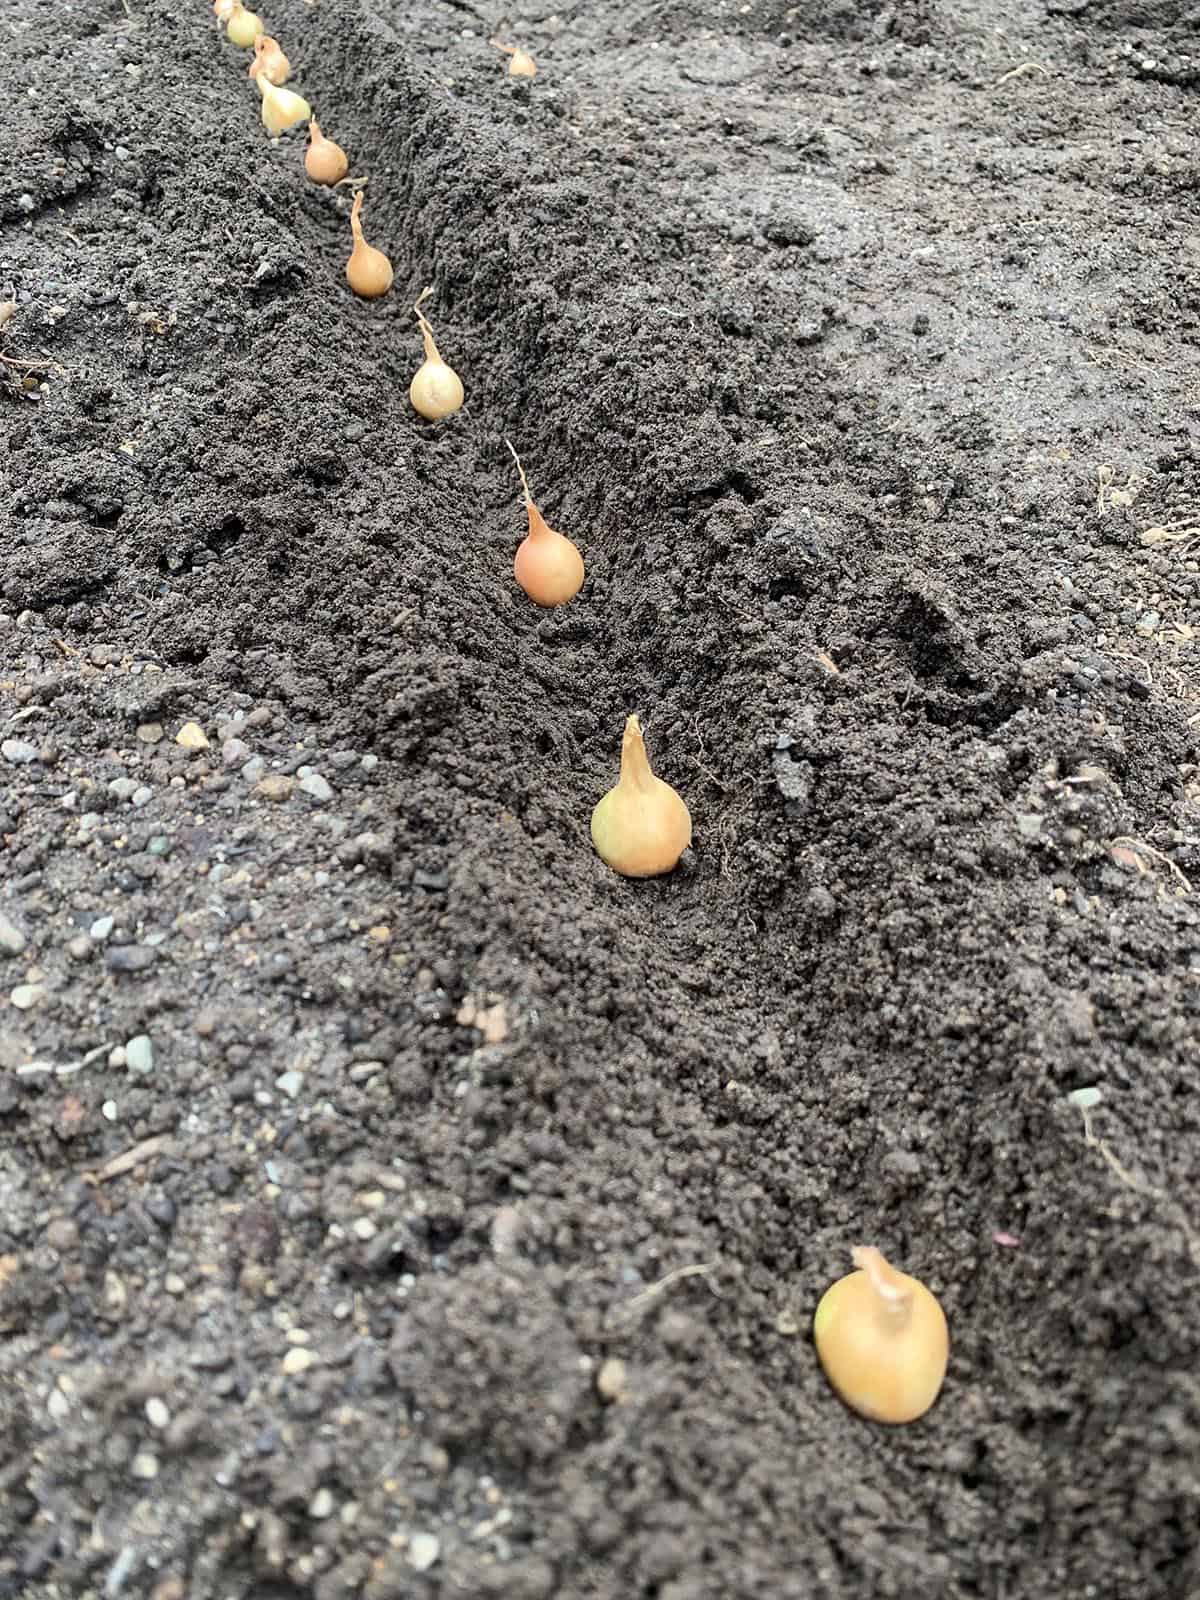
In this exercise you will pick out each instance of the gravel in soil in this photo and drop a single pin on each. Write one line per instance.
(393, 1201)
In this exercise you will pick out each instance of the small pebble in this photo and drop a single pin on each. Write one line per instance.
(139, 1054)
(174, 1284)
(364, 1229)
(26, 995)
(62, 1234)
(423, 1551)
(141, 796)
(116, 1056)
(297, 1360)
(150, 732)
(254, 769)
(317, 788)
(123, 787)
(129, 958)
(12, 940)
(192, 737)
(18, 752)
(611, 1379)
(144, 1465)
(321, 1505)
(369, 763)
(275, 786)
(290, 1083)
(109, 1111)
(101, 928)
(157, 1414)
(58, 1405)
(235, 752)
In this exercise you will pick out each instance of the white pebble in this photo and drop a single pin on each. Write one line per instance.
(144, 1465)
(116, 1056)
(297, 1360)
(157, 1414)
(423, 1551)
(101, 928)
(141, 796)
(290, 1083)
(109, 1111)
(139, 1054)
(364, 1229)
(316, 787)
(58, 1405)
(321, 1505)
(26, 995)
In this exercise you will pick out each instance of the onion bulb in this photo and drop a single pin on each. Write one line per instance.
(882, 1339)
(242, 27)
(436, 390)
(548, 566)
(368, 271)
(281, 109)
(520, 63)
(642, 827)
(324, 161)
(270, 61)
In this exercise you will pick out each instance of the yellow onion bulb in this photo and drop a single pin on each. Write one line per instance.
(242, 27)
(436, 390)
(642, 826)
(368, 271)
(269, 60)
(281, 109)
(324, 160)
(882, 1339)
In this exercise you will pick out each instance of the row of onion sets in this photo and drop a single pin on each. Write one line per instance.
(642, 827)
(880, 1335)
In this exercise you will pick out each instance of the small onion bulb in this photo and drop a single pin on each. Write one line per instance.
(269, 61)
(281, 109)
(548, 566)
(368, 271)
(242, 27)
(641, 827)
(882, 1339)
(324, 161)
(436, 390)
(520, 63)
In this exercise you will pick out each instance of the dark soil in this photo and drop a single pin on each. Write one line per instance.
(855, 344)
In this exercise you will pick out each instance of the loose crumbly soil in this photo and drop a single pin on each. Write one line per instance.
(856, 346)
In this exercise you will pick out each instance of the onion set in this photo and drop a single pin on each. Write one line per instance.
(520, 63)
(242, 27)
(269, 61)
(324, 161)
(368, 271)
(882, 1339)
(436, 390)
(641, 827)
(281, 109)
(548, 565)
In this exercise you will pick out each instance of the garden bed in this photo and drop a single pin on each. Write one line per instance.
(395, 1202)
